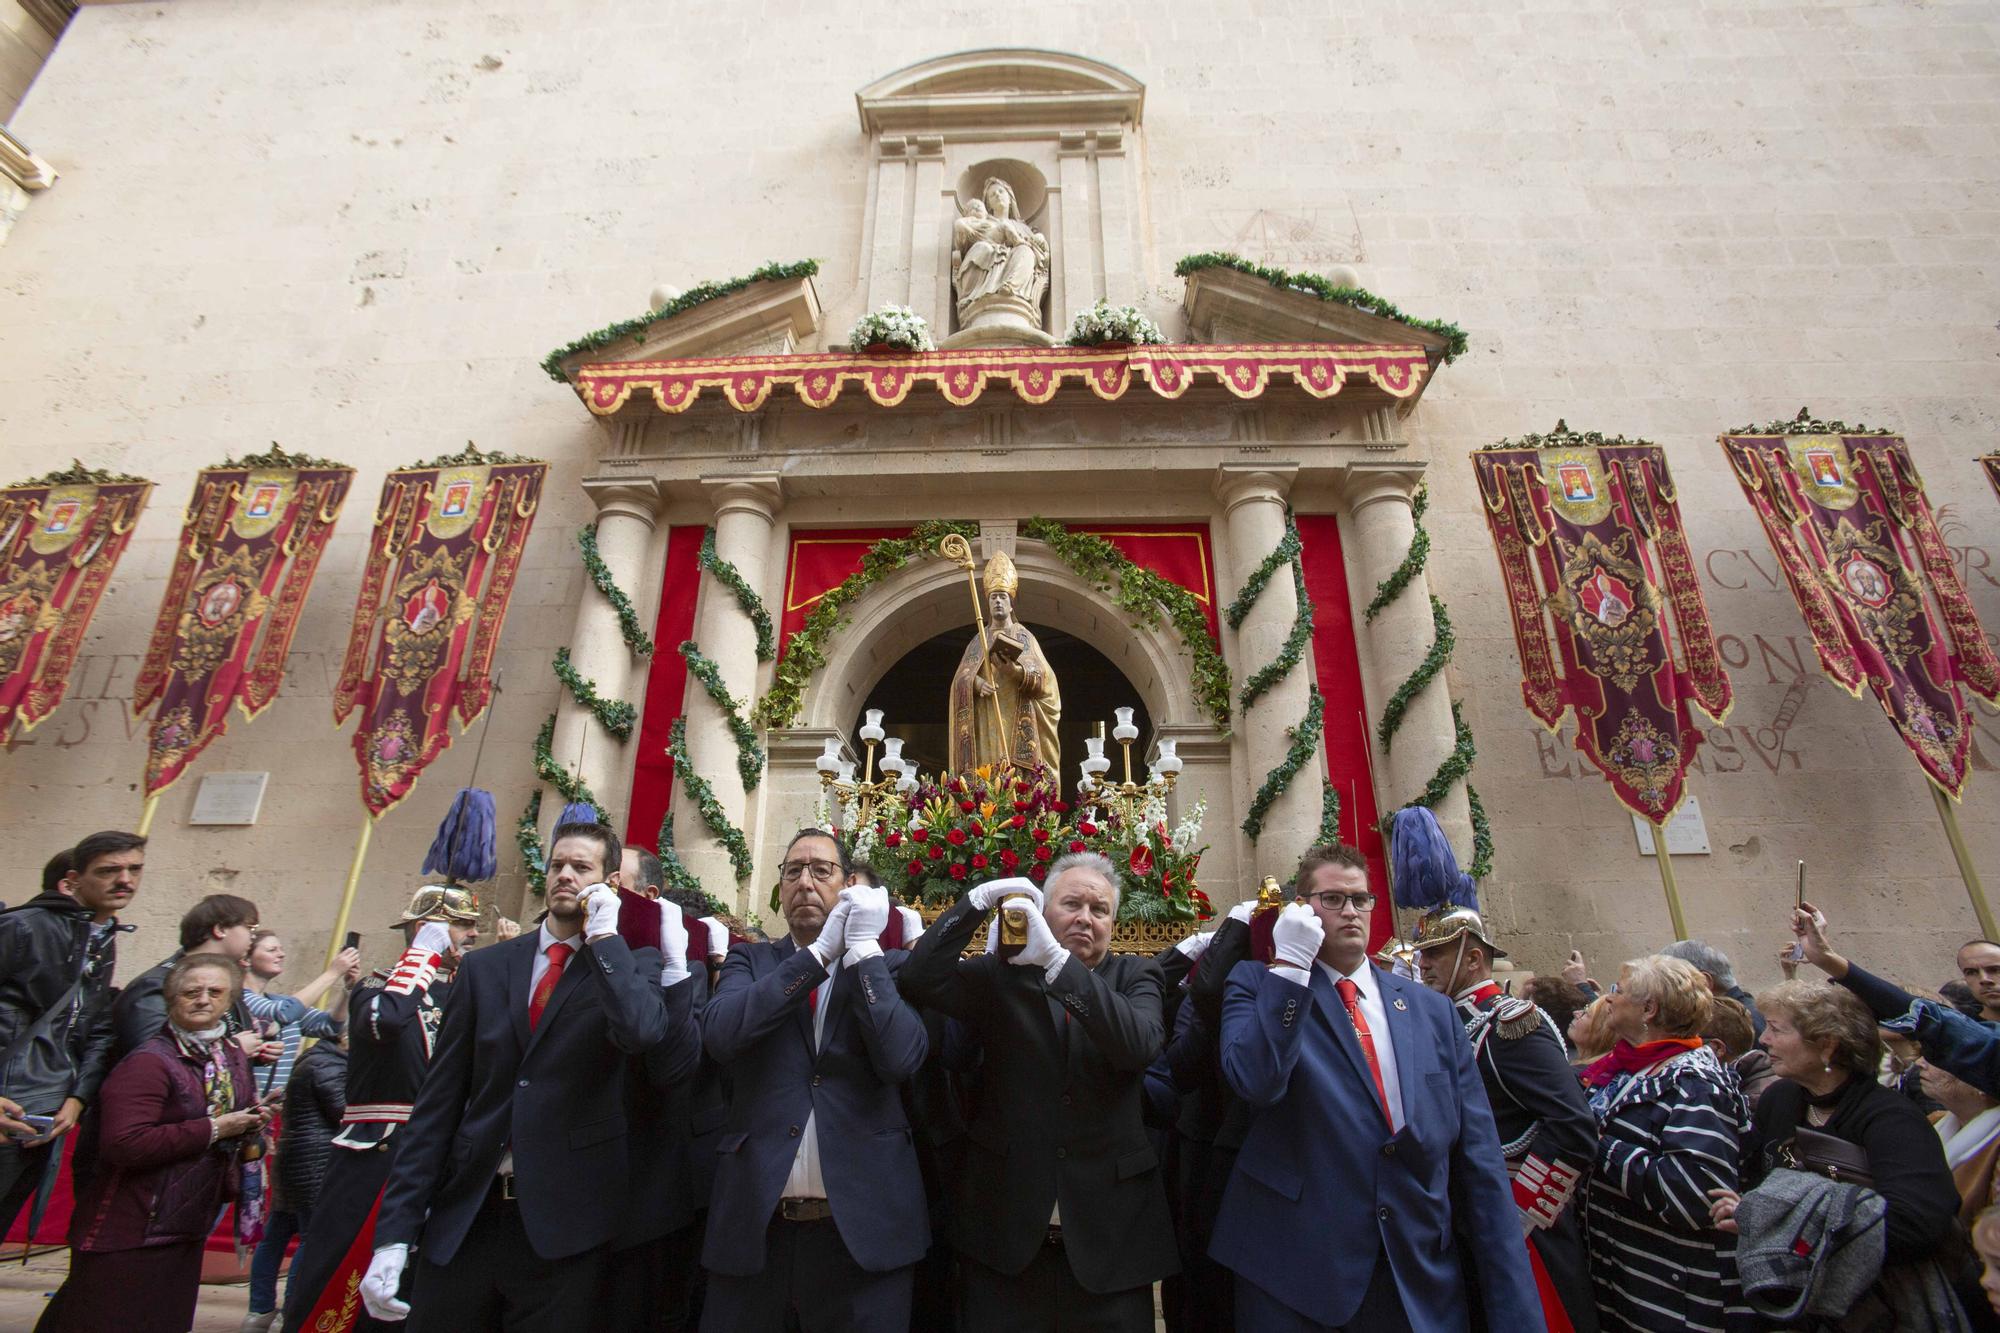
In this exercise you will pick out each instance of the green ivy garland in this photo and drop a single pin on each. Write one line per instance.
(1305, 740)
(528, 837)
(1444, 640)
(573, 789)
(703, 796)
(805, 650)
(614, 715)
(1286, 550)
(746, 596)
(636, 327)
(1144, 595)
(677, 874)
(749, 754)
(636, 638)
(1294, 650)
(1329, 815)
(1414, 559)
(1312, 284)
(1458, 764)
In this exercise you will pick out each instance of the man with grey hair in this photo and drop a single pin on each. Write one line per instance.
(1714, 965)
(1060, 1210)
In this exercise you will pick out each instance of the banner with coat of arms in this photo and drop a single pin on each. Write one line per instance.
(1589, 529)
(251, 541)
(442, 563)
(1846, 513)
(60, 538)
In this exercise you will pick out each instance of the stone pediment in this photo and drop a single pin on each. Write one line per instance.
(1001, 88)
(1225, 305)
(774, 317)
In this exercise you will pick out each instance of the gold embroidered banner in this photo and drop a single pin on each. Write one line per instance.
(1846, 513)
(60, 538)
(441, 569)
(1589, 528)
(250, 544)
(1991, 465)
(1034, 373)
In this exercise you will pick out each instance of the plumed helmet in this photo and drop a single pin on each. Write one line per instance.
(441, 902)
(1452, 923)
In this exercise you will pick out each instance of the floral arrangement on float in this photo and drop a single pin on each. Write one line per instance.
(893, 328)
(1107, 325)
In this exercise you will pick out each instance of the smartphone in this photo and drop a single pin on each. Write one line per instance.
(43, 1125)
(1799, 903)
(353, 940)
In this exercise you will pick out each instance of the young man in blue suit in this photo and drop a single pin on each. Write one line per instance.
(512, 1169)
(1371, 1147)
(818, 1212)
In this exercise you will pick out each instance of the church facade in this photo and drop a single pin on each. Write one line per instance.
(360, 233)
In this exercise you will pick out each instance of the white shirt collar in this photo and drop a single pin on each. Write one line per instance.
(1363, 976)
(548, 938)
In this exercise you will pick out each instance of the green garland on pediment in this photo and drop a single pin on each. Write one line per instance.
(703, 796)
(746, 596)
(1144, 596)
(635, 328)
(749, 754)
(805, 650)
(636, 638)
(1305, 742)
(614, 715)
(1312, 284)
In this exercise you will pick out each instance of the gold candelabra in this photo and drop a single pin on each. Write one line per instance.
(865, 795)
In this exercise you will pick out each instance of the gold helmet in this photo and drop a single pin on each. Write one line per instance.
(442, 902)
(1001, 576)
(1449, 924)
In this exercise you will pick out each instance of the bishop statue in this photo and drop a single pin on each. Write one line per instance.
(1004, 700)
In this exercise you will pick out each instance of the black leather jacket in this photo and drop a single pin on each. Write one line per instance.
(52, 1046)
(315, 1100)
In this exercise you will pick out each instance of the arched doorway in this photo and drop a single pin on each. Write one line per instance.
(913, 696)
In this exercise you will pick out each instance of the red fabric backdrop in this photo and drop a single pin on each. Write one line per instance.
(666, 686)
(1338, 669)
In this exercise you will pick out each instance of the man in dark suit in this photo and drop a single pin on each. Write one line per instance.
(818, 1213)
(1060, 1212)
(512, 1169)
(1371, 1144)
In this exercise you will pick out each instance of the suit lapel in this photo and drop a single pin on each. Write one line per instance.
(572, 977)
(519, 975)
(1403, 1034)
(1327, 999)
(802, 1017)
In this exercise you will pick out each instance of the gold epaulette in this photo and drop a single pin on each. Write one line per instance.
(1514, 1018)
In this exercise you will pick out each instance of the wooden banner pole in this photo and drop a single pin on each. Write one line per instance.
(1666, 860)
(146, 815)
(1966, 870)
(333, 946)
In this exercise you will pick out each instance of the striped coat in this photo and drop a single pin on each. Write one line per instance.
(1667, 1137)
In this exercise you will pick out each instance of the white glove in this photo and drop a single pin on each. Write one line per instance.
(601, 901)
(1041, 950)
(832, 941)
(378, 1285)
(1194, 946)
(1296, 939)
(993, 890)
(867, 918)
(718, 937)
(1243, 911)
(434, 936)
(673, 944)
(913, 925)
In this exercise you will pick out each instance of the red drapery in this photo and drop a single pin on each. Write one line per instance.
(666, 687)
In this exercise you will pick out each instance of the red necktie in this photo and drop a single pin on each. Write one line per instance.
(559, 954)
(1350, 995)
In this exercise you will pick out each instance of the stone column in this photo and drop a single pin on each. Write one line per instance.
(626, 510)
(1378, 529)
(746, 514)
(1253, 515)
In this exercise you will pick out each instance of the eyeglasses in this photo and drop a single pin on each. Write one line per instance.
(1333, 902)
(794, 871)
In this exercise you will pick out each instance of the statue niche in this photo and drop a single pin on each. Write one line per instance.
(1005, 703)
(1000, 272)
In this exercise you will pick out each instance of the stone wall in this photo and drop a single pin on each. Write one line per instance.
(354, 229)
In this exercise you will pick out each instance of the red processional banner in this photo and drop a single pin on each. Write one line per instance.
(60, 538)
(446, 550)
(251, 541)
(1846, 514)
(1590, 529)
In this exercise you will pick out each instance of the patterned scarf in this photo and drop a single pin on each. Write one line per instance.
(1625, 1058)
(218, 1086)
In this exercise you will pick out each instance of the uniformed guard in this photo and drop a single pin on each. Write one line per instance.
(393, 1020)
(1546, 1128)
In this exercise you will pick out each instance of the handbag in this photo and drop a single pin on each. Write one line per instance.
(1826, 1155)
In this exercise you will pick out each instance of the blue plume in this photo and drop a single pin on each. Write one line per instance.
(580, 812)
(1421, 864)
(463, 850)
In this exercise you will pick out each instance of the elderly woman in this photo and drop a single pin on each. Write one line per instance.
(1825, 1050)
(1969, 1129)
(1670, 1116)
(1589, 1033)
(177, 1115)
